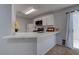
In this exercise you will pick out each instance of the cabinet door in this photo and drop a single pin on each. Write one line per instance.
(50, 20)
(44, 19)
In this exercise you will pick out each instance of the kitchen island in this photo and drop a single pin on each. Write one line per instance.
(45, 41)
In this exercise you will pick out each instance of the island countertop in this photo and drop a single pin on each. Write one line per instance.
(29, 35)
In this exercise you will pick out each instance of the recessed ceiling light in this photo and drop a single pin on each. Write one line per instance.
(29, 10)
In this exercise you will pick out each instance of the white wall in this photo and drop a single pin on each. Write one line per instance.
(5, 24)
(60, 22)
(13, 46)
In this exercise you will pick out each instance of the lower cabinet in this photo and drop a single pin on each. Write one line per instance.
(44, 44)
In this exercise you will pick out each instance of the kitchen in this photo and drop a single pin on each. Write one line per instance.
(34, 29)
(40, 29)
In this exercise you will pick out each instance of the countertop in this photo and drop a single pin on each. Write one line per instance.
(29, 35)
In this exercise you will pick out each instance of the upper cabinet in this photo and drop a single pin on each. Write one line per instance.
(46, 20)
(50, 20)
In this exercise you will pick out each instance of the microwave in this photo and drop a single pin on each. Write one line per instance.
(39, 23)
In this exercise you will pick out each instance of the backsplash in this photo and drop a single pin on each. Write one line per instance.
(47, 28)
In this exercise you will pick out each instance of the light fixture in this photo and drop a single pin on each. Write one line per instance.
(29, 10)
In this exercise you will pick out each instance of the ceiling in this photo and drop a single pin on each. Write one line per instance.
(41, 9)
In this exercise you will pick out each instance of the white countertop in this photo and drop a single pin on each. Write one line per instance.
(29, 35)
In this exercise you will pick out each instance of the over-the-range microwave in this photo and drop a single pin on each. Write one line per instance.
(38, 23)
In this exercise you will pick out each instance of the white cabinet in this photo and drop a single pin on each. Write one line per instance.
(46, 20)
(50, 20)
(43, 46)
